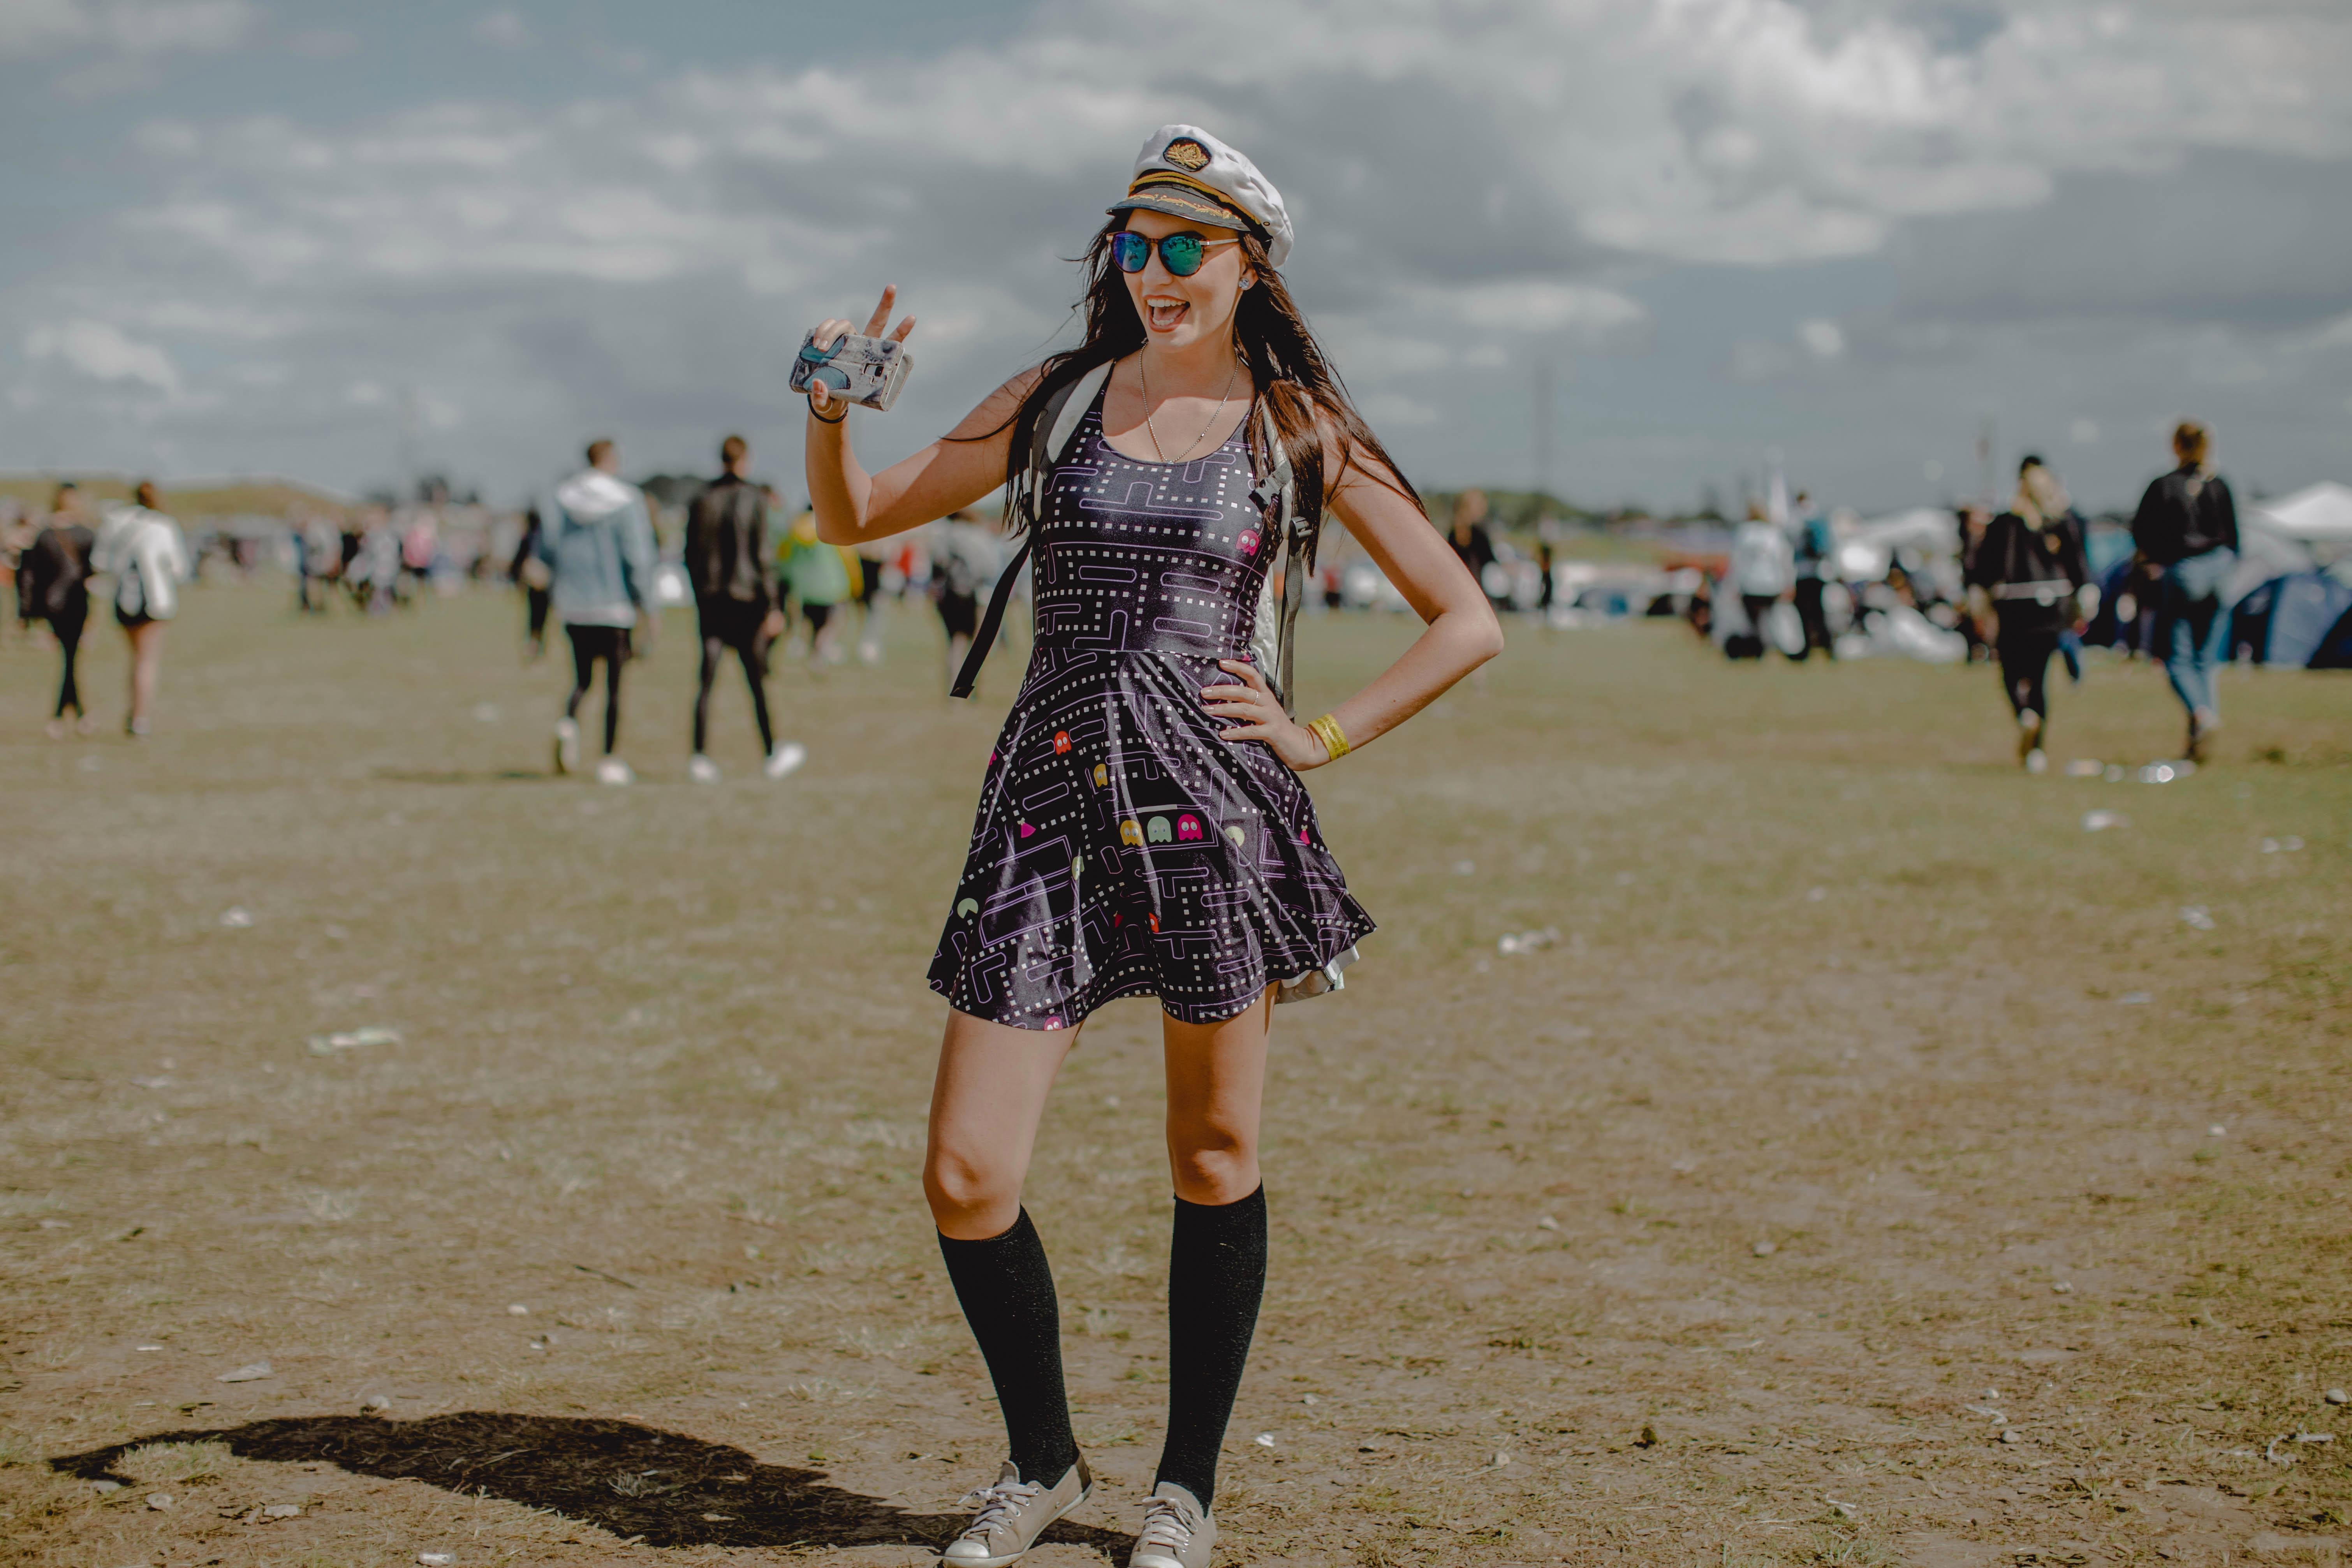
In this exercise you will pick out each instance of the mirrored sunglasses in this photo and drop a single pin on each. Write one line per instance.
(1181, 254)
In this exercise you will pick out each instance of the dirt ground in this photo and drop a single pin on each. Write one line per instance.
(1879, 1167)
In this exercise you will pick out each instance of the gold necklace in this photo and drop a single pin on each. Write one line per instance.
(1225, 397)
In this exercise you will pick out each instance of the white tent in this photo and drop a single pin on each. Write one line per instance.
(2276, 537)
(2321, 514)
(1868, 550)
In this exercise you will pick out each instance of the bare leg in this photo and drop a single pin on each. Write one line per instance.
(1216, 1257)
(1216, 1080)
(986, 1103)
(146, 667)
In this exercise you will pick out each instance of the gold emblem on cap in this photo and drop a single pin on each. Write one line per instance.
(1187, 153)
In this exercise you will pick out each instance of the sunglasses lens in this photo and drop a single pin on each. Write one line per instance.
(1130, 251)
(1182, 252)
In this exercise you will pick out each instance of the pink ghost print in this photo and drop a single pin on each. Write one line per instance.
(1187, 827)
(1248, 542)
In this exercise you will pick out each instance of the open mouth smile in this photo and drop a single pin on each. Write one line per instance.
(1162, 313)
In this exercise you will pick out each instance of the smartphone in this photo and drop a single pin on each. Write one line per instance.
(862, 369)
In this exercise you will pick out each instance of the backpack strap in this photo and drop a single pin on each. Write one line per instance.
(1272, 641)
(1049, 443)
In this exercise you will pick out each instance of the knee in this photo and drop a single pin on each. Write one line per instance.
(970, 1193)
(1213, 1163)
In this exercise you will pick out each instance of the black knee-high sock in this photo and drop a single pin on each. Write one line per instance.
(1216, 1277)
(1007, 1292)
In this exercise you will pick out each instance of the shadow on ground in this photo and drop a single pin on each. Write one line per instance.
(673, 1491)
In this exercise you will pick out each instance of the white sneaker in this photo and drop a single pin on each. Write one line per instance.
(1176, 1533)
(702, 769)
(1013, 1514)
(613, 771)
(869, 652)
(788, 755)
(567, 745)
(2037, 761)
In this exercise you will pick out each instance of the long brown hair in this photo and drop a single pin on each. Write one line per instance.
(1294, 380)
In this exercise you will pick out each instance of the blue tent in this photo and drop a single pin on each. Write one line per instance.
(2297, 620)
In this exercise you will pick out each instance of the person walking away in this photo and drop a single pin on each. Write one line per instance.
(1474, 544)
(1763, 573)
(598, 546)
(1185, 450)
(2187, 527)
(147, 556)
(1815, 563)
(53, 586)
(965, 562)
(819, 576)
(2030, 578)
(17, 529)
(734, 602)
(873, 561)
(531, 574)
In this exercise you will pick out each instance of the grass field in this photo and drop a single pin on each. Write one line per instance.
(1878, 1168)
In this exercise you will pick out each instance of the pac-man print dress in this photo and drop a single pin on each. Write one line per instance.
(1122, 847)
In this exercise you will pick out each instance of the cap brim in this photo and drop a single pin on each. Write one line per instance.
(1177, 202)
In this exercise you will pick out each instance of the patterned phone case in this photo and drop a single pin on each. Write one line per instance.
(862, 369)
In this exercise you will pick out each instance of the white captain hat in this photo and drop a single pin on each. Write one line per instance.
(1184, 172)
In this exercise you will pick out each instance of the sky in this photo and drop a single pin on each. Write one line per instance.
(347, 243)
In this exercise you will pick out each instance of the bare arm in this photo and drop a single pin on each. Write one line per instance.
(1459, 632)
(959, 468)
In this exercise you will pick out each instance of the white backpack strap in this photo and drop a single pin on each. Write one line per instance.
(1067, 417)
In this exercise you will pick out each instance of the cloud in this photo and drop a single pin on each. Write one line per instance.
(103, 352)
(505, 29)
(1473, 187)
(134, 26)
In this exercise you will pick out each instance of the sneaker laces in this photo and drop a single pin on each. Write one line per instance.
(1166, 1522)
(999, 1503)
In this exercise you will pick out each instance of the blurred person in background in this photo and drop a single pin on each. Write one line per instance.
(1974, 521)
(2030, 580)
(734, 602)
(598, 544)
(1764, 572)
(873, 560)
(530, 573)
(53, 586)
(18, 528)
(1474, 545)
(1815, 549)
(965, 561)
(147, 556)
(2187, 527)
(820, 576)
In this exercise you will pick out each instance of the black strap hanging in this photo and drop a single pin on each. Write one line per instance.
(985, 637)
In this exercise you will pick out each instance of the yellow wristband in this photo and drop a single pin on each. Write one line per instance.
(1327, 730)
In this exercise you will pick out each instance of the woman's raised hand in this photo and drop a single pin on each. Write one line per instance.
(822, 401)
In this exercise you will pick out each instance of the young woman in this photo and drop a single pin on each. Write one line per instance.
(1141, 827)
(148, 558)
(2031, 570)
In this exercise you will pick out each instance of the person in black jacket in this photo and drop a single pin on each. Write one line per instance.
(2030, 573)
(735, 601)
(2187, 527)
(53, 586)
(530, 573)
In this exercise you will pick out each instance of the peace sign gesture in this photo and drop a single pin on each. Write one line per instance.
(822, 401)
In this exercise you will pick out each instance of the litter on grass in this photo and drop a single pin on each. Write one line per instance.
(2165, 773)
(238, 919)
(2136, 998)
(2288, 845)
(2195, 915)
(2100, 821)
(253, 1372)
(1514, 943)
(373, 1034)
